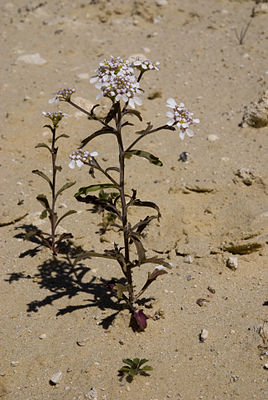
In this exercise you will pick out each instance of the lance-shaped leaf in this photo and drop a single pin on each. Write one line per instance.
(133, 112)
(70, 212)
(62, 135)
(150, 204)
(145, 131)
(139, 246)
(141, 225)
(43, 145)
(52, 128)
(102, 131)
(159, 270)
(144, 154)
(64, 187)
(44, 176)
(92, 188)
(100, 204)
(44, 201)
(157, 260)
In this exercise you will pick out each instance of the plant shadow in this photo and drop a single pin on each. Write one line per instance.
(64, 277)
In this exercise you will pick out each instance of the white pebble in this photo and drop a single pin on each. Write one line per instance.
(188, 259)
(204, 334)
(265, 366)
(14, 363)
(83, 75)
(42, 336)
(32, 59)
(161, 3)
(55, 379)
(212, 138)
(232, 263)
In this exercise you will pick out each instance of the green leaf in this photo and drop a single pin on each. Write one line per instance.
(124, 369)
(135, 362)
(64, 187)
(134, 112)
(145, 131)
(111, 114)
(143, 361)
(43, 214)
(150, 204)
(128, 361)
(62, 135)
(70, 212)
(144, 154)
(44, 201)
(44, 176)
(92, 188)
(50, 127)
(102, 131)
(43, 145)
(120, 289)
(147, 368)
(132, 372)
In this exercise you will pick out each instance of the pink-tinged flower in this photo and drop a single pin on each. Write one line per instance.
(145, 65)
(55, 117)
(62, 95)
(81, 157)
(180, 117)
(116, 79)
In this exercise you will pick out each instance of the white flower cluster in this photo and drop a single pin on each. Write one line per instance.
(116, 79)
(145, 65)
(181, 117)
(62, 95)
(55, 117)
(79, 157)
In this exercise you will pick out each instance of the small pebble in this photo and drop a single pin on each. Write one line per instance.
(212, 138)
(55, 378)
(14, 363)
(83, 75)
(211, 290)
(42, 336)
(188, 260)
(92, 394)
(32, 59)
(265, 366)
(232, 263)
(82, 342)
(203, 335)
(161, 3)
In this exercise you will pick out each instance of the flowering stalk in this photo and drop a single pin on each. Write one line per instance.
(117, 80)
(51, 240)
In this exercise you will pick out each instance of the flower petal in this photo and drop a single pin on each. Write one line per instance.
(94, 154)
(72, 164)
(182, 134)
(171, 122)
(169, 114)
(171, 102)
(189, 132)
(196, 121)
(79, 163)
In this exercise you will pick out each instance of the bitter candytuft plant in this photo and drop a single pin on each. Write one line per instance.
(119, 80)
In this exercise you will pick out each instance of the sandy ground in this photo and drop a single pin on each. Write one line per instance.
(209, 212)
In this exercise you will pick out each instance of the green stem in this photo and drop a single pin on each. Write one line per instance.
(128, 272)
(145, 134)
(53, 203)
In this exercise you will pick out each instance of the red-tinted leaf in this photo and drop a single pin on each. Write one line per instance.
(141, 319)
